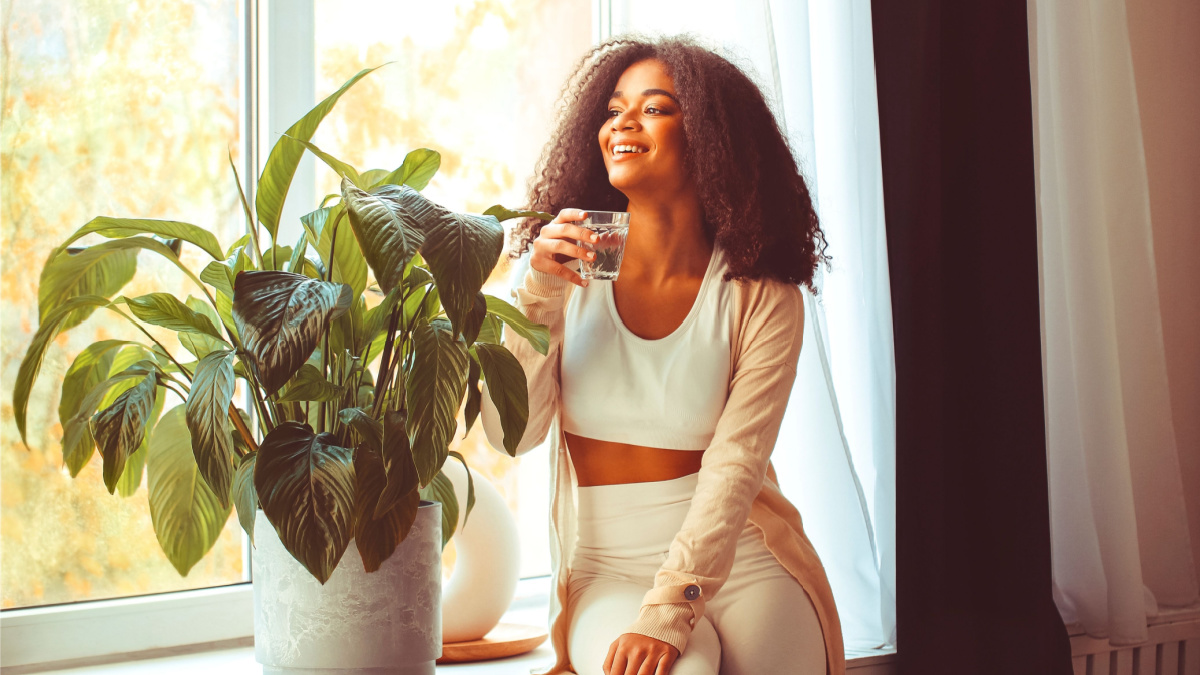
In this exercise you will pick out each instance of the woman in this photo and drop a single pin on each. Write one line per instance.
(664, 389)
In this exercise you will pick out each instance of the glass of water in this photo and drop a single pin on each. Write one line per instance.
(612, 228)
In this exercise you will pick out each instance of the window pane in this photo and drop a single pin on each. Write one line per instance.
(476, 81)
(110, 108)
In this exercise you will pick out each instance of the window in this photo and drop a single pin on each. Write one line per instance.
(127, 109)
(115, 109)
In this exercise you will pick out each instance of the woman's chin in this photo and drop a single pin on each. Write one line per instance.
(623, 181)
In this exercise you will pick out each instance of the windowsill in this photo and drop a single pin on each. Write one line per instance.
(236, 657)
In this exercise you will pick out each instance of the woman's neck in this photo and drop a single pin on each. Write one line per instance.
(666, 240)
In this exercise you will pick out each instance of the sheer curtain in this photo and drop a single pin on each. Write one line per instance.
(836, 450)
(1121, 547)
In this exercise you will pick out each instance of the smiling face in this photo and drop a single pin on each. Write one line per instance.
(642, 140)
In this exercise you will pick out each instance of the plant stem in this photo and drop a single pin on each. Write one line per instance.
(385, 366)
(240, 424)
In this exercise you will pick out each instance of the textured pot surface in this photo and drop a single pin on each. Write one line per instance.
(388, 622)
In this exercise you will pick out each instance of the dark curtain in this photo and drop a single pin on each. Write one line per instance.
(973, 526)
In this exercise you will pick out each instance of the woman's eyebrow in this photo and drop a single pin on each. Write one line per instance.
(649, 92)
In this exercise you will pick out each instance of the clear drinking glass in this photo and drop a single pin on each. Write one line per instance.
(613, 228)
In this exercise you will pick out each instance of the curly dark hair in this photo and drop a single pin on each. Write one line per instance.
(756, 203)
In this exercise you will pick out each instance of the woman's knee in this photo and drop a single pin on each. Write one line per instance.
(702, 655)
(770, 627)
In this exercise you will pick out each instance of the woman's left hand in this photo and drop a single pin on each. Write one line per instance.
(636, 654)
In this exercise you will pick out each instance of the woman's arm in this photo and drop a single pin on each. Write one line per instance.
(541, 298)
(732, 469)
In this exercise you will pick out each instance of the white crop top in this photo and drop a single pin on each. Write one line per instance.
(664, 393)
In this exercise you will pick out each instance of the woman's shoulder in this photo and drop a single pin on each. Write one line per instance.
(770, 321)
(766, 298)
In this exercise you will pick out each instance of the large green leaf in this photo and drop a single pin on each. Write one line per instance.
(418, 168)
(218, 275)
(434, 389)
(91, 367)
(285, 157)
(164, 309)
(135, 466)
(398, 463)
(470, 485)
(31, 364)
(474, 319)
(441, 489)
(67, 275)
(310, 385)
(225, 311)
(338, 241)
(461, 250)
(187, 516)
(280, 317)
(421, 303)
(120, 428)
(474, 395)
(491, 331)
(537, 334)
(508, 389)
(197, 343)
(244, 496)
(339, 167)
(346, 333)
(208, 421)
(305, 483)
(125, 227)
(375, 321)
(100, 270)
(77, 441)
(377, 538)
(388, 228)
(369, 429)
(502, 214)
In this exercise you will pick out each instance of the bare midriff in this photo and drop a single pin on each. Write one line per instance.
(607, 463)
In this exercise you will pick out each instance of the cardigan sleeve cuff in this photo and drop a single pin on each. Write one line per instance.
(672, 623)
(545, 285)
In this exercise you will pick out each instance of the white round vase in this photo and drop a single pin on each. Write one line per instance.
(388, 622)
(487, 563)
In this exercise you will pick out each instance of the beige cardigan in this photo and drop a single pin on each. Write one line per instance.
(736, 480)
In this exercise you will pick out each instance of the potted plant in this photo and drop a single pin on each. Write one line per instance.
(349, 407)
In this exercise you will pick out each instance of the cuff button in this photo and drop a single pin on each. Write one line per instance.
(691, 592)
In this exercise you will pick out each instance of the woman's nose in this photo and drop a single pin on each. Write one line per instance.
(623, 120)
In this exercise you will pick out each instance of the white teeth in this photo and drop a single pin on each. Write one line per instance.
(619, 149)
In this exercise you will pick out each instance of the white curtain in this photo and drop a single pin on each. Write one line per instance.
(836, 450)
(1120, 543)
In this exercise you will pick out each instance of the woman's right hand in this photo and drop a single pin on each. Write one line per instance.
(555, 245)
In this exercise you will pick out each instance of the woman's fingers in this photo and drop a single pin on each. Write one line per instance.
(666, 663)
(608, 660)
(568, 249)
(650, 666)
(555, 245)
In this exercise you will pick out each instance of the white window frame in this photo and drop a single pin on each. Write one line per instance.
(278, 61)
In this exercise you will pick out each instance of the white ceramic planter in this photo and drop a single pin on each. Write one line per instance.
(388, 622)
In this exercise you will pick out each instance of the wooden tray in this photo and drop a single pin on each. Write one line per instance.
(506, 639)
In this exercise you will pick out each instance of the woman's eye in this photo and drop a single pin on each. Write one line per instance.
(613, 112)
(652, 110)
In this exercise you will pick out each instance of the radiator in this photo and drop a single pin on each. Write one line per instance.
(1172, 648)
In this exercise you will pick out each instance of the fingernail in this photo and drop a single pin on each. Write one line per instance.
(595, 237)
(585, 282)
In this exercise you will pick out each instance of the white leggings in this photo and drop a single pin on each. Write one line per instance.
(762, 621)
